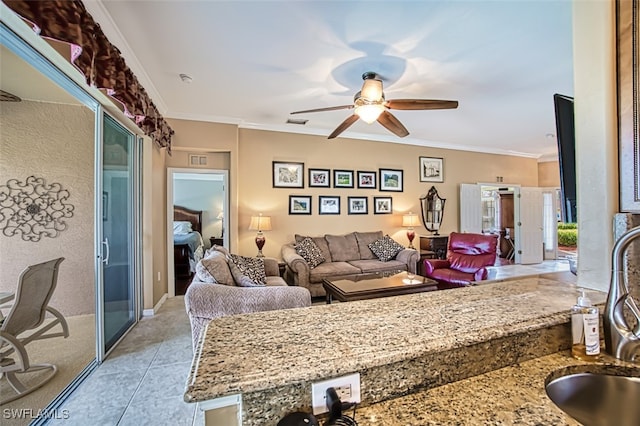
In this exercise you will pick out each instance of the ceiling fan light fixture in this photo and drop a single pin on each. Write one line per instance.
(369, 112)
(372, 90)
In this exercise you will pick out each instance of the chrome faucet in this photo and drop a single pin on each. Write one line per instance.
(622, 340)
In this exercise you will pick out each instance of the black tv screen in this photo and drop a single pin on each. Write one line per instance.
(566, 137)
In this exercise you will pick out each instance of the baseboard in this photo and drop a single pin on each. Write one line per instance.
(152, 312)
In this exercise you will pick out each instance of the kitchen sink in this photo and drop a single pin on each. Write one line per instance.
(594, 399)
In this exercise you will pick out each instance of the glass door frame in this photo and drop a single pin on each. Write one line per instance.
(136, 255)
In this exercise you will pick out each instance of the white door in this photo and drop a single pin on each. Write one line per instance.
(550, 222)
(470, 208)
(528, 229)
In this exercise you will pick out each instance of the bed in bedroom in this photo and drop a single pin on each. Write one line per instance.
(188, 246)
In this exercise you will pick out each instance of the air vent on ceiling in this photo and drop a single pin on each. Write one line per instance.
(299, 121)
(197, 160)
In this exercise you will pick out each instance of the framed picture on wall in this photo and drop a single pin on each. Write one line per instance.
(390, 180)
(357, 205)
(288, 175)
(382, 205)
(319, 178)
(329, 205)
(366, 180)
(299, 204)
(343, 178)
(431, 169)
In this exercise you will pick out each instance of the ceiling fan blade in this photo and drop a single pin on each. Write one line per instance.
(414, 104)
(324, 109)
(392, 124)
(343, 126)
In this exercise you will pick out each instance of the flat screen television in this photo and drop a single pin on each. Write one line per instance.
(566, 137)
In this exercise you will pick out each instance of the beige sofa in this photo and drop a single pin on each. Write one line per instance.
(205, 301)
(344, 255)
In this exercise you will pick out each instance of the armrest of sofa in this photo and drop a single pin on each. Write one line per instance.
(271, 268)
(206, 301)
(431, 265)
(296, 263)
(410, 257)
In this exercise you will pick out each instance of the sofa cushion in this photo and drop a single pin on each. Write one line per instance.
(332, 270)
(275, 281)
(310, 252)
(214, 269)
(364, 239)
(343, 247)
(386, 248)
(247, 271)
(320, 242)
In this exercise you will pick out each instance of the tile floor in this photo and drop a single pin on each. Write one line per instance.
(142, 381)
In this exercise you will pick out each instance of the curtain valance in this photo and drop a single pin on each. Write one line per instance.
(71, 30)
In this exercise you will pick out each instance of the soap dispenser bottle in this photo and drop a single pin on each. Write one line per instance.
(585, 329)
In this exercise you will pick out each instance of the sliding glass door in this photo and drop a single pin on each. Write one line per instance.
(119, 232)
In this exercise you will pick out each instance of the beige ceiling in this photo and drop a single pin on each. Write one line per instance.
(253, 62)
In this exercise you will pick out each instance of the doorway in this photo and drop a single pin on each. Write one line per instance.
(201, 190)
(482, 210)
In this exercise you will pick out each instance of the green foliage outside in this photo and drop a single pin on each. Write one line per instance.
(567, 226)
(567, 234)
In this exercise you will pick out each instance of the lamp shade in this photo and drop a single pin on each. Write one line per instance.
(410, 220)
(260, 223)
(369, 112)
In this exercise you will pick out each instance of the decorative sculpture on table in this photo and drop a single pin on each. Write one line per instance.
(33, 209)
(432, 210)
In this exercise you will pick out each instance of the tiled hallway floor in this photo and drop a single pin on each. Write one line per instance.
(142, 382)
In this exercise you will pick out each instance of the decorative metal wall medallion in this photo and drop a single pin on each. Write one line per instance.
(33, 209)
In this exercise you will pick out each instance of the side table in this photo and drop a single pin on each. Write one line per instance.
(432, 247)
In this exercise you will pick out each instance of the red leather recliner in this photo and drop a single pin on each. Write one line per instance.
(468, 255)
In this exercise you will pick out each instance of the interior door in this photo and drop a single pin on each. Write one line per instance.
(119, 230)
(470, 208)
(528, 229)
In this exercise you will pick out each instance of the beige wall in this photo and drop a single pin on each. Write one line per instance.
(549, 174)
(55, 142)
(257, 150)
(159, 225)
(252, 191)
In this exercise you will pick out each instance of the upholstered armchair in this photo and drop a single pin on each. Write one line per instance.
(468, 256)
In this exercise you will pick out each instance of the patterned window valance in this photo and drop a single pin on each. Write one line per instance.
(71, 30)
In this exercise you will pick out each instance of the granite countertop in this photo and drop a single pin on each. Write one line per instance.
(512, 395)
(244, 353)
(400, 345)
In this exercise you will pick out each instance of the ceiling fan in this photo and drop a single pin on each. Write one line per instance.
(370, 105)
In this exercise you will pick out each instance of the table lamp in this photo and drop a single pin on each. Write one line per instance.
(260, 223)
(410, 220)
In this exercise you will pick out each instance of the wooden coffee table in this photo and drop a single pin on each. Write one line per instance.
(383, 284)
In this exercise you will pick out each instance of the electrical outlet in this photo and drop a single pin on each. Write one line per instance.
(347, 388)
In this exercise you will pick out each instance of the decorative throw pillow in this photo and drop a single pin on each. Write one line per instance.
(247, 271)
(310, 252)
(386, 248)
(214, 269)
